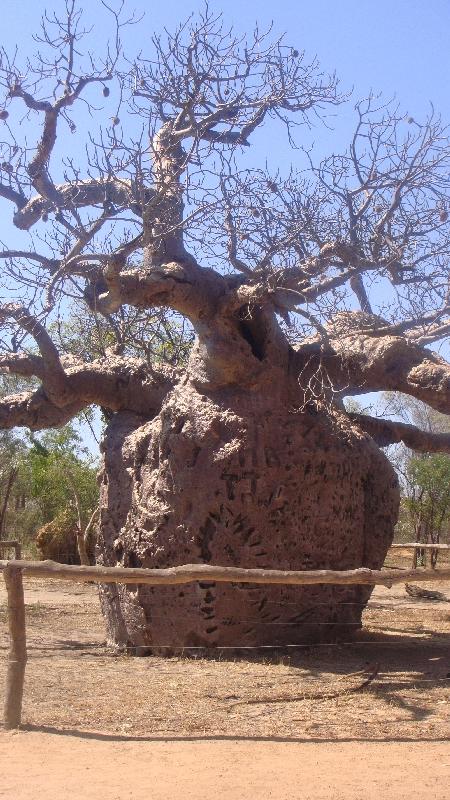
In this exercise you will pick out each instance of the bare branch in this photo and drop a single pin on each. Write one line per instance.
(51, 264)
(54, 378)
(364, 356)
(127, 230)
(112, 383)
(80, 194)
(387, 432)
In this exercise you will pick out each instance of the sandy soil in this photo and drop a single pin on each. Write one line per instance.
(43, 765)
(268, 724)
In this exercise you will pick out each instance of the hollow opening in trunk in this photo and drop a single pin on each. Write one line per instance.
(254, 330)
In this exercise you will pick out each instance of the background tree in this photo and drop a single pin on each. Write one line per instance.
(245, 454)
(16, 518)
(62, 479)
(11, 450)
(424, 477)
(49, 481)
(428, 500)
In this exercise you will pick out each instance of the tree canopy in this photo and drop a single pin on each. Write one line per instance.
(46, 479)
(165, 215)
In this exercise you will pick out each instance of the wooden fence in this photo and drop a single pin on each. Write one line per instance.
(419, 546)
(13, 572)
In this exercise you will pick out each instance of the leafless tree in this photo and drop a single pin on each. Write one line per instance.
(330, 281)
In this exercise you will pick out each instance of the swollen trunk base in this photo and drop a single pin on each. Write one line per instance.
(240, 480)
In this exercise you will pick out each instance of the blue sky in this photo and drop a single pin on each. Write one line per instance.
(399, 48)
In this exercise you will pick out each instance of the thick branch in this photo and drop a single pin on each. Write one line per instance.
(35, 411)
(53, 376)
(114, 383)
(79, 195)
(187, 288)
(386, 432)
(10, 194)
(363, 356)
(24, 364)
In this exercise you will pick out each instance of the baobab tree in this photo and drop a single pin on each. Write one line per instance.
(302, 289)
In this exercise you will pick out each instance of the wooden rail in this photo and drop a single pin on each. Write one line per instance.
(13, 572)
(420, 546)
(190, 573)
(12, 543)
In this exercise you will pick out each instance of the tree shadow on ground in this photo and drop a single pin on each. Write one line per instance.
(114, 737)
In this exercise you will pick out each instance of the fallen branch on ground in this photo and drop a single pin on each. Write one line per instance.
(424, 594)
(369, 672)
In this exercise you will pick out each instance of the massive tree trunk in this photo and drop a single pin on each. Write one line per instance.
(244, 478)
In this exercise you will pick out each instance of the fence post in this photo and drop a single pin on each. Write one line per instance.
(17, 656)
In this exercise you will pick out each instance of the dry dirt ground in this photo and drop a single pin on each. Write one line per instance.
(265, 724)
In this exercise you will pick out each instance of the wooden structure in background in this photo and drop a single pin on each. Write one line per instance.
(6, 544)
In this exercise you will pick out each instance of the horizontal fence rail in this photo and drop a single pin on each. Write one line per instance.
(420, 546)
(13, 572)
(189, 573)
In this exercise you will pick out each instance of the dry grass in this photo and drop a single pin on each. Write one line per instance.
(75, 682)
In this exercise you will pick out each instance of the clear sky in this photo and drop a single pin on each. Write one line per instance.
(399, 47)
